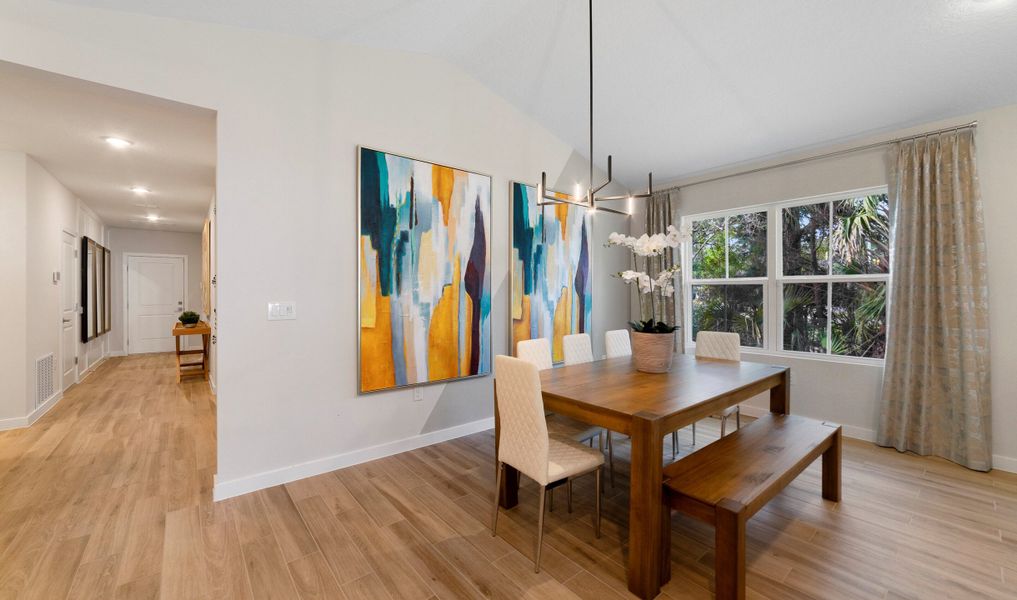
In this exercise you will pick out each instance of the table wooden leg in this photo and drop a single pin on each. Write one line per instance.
(645, 507)
(204, 356)
(508, 492)
(780, 396)
(176, 339)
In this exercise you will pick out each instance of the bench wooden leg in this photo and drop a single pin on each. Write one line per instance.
(831, 469)
(729, 561)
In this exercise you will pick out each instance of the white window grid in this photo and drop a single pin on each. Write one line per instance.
(773, 283)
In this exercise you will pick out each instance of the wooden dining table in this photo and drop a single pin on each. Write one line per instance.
(647, 406)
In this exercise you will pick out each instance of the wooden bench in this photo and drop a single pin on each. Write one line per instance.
(727, 482)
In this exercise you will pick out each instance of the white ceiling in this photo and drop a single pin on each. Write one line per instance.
(60, 121)
(683, 86)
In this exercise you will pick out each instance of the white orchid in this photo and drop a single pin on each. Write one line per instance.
(617, 239)
(676, 237)
(663, 278)
(638, 277)
(647, 246)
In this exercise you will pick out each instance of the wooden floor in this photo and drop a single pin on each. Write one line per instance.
(109, 496)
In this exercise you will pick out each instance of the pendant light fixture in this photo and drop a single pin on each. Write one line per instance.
(589, 199)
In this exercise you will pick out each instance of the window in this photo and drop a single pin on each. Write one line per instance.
(817, 284)
(835, 265)
(729, 270)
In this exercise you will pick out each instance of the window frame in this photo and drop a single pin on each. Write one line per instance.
(688, 281)
(773, 283)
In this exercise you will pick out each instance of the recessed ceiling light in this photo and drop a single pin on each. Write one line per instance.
(140, 190)
(119, 143)
(152, 218)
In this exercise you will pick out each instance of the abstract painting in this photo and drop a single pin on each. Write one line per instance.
(552, 291)
(425, 272)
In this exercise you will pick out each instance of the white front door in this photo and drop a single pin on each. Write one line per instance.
(155, 298)
(68, 310)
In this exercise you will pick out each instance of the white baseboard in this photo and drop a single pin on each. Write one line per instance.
(32, 417)
(43, 408)
(116, 353)
(244, 485)
(13, 423)
(91, 368)
(851, 431)
(1004, 463)
(1000, 462)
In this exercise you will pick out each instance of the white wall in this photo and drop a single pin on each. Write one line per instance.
(849, 394)
(13, 169)
(147, 241)
(51, 210)
(290, 114)
(35, 210)
(93, 352)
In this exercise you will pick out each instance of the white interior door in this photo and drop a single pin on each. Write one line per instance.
(68, 310)
(155, 298)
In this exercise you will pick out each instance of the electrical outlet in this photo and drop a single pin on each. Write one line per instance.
(418, 394)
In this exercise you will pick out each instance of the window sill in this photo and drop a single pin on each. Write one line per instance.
(784, 354)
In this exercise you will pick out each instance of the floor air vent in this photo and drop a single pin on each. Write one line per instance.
(44, 379)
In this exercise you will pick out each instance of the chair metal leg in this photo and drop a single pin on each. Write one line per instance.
(568, 494)
(610, 458)
(693, 434)
(540, 531)
(738, 418)
(596, 512)
(674, 444)
(497, 489)
(723, 425)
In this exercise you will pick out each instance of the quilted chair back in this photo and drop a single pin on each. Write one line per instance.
(616, 343)
(523, 429)
(536, 351)
(578, 349)
(720, 345)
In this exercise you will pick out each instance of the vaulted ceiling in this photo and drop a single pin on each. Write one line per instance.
(682, 86)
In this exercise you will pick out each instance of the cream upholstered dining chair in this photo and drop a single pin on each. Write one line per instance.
(617, 344)
(578, 348)
(524, 442)
(722, 346)
(538, 353)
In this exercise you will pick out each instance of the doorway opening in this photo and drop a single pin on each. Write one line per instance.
(115, 195)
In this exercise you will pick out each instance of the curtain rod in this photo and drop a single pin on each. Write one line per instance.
(971, 125)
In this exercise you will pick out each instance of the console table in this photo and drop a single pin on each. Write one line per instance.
(202, 329)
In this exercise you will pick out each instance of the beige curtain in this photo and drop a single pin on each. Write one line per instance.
(936, 385)
(660, 212)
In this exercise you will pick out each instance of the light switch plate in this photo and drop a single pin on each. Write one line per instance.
(282, 311)
(418, 394)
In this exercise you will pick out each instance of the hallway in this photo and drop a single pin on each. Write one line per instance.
(90, 491)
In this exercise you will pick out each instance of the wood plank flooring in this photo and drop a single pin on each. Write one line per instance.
(109, 496)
